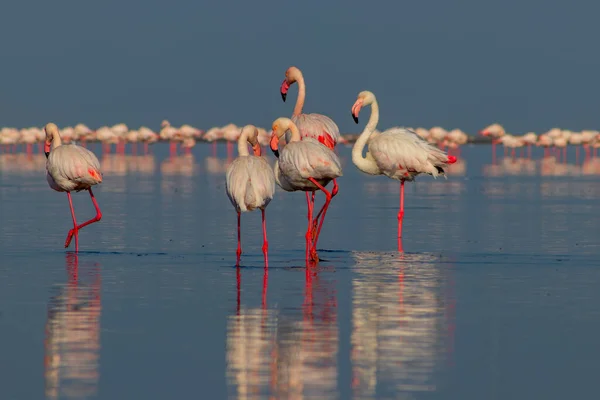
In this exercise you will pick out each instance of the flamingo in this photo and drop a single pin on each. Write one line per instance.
(397, 153)
(250, 184)
(316, 126)
(70, 167)
(307, 165)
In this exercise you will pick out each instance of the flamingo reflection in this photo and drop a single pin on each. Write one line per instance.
(273, 355)
(72, 341)
(402, 323)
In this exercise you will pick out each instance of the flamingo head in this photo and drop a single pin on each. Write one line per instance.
(51, 130)
(292, 74)
(364, 98)
(251, 133)
(280, 126)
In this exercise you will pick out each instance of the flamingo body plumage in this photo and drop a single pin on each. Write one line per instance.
(305, 164)
(71, 168)
(250, 183)
(398, 153)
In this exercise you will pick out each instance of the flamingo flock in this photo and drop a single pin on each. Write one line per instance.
(303, 145)
(554, 142)
(119, 138)
(304, 148)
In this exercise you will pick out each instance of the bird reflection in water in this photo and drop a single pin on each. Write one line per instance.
(184, 165)
(216, 166)
(272, 355)
(403, 322)
(22, 164)
(547, 166)
(72, 341)
(121, 164)
(250, 337)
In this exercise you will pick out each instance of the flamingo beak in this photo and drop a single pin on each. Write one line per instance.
(356, 109)
(274, 144)
(47, 148)
(256, 149)
(284, 89)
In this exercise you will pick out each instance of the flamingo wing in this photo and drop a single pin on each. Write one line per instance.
(318, 127)
(310, 159)
(73, 167)
(402, 154)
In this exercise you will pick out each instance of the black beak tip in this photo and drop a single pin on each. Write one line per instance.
(276, 152)
(47, 154)
(284, 96)
(355, 118)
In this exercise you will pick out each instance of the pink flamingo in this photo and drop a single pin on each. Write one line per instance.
(250, 184)
(397, 153)
(316, 126)
(305, 164)
(71, 167)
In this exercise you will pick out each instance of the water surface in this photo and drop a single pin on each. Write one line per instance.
(494, 296)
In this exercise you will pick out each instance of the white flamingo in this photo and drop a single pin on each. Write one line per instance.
(397, 153)
(307, 165)
(315, 126)
(250, 184)
(70, 167)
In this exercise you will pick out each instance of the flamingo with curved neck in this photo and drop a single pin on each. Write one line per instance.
(316, 126)
(250, 184)
(397, 153)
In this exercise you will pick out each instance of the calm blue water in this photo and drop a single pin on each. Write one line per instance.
(495, 296)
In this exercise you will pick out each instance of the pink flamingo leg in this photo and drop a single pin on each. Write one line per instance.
(401, 212)
(313, 252)
(334, 191)
(238, 252)
(309, 235)
(74, 223)
(75, 230)
(265, 247)
(229, 149)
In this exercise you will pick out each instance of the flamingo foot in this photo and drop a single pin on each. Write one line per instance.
(313, 255)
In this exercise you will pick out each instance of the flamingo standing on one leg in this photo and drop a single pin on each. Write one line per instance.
(307, 165)
(316, 126)
(70, 167)
(397, 153)
(250, 184)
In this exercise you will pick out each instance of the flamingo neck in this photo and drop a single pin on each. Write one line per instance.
(243, 143)
(366, 164)
(56, 141)
(301, 96)
(295, 133)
